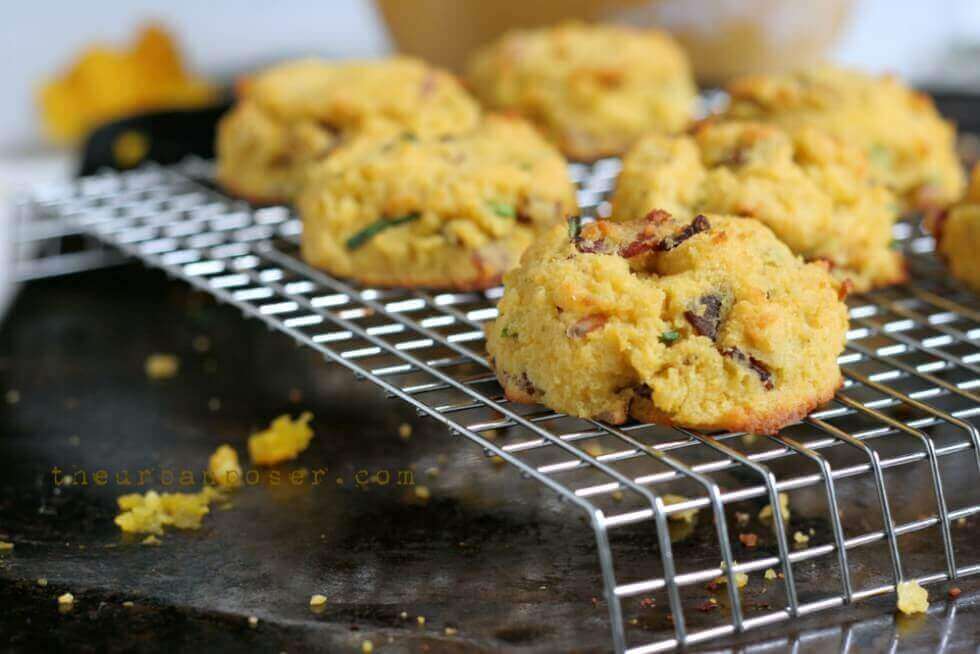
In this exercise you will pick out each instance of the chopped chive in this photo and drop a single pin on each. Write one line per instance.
(409, 136)
(669, 337)
(502, 209)
(506, 333)
(366, 234)
(574, 227)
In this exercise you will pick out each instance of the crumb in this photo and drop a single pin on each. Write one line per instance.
(749, 539)
(282, 441)
(648, 602)
(214, 404)
(954, 592)
(404, 431)
(742, 518)
(12, 396)
(318, 600)
(161, 366)
(5, 546)
(912, 598)
(224, 468)
(423, 493)
(295, 395)
(490, 434)
(253, 622)
(42, 582)
(151, 540)
(687, 516)
(617, 496)
(634, 621)
(800, 538)
(749, 439)
(150, 513)
(765, 515)
(961, 522)
(128, 604)
(449, 631)
(708, 605)
(201, 343)
(741, 579)
(497, 460)
(367, 647)
(420, 619)
(66, 599)
(770, 574)
(403, 615)
(432, 472)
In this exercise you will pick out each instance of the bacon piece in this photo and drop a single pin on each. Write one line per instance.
(586, 325)
(758, 367)
(706, 323)
(648, 243)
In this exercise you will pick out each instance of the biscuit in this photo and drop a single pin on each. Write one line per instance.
(711, 323)
(957, 233)
(295, 114)
(592, 89)
(449, 212)
(911, 148)
(813, 191)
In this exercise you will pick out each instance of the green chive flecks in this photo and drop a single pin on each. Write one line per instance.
(506, 333)
(574, 227)
(366, 234)
(669, 337)
(501, 209)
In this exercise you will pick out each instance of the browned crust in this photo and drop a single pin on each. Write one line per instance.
(753, 423)
(644, 410)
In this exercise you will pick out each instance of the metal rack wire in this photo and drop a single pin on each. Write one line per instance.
(909, 407)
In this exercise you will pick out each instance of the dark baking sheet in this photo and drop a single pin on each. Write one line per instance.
(491, 555)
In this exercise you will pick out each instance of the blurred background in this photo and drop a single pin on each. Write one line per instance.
(72, 66)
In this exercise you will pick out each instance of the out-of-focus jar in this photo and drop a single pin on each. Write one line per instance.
(723, 37)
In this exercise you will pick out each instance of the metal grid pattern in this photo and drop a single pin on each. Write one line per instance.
(908, 408)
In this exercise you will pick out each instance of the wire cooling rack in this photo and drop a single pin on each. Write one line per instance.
(853, 529)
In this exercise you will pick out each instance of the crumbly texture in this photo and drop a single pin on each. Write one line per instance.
(813, 191)
(592, 89)
(283, 440)
(161, 366)
(707, 324)
(149, 513)
(450, 212)
(957, 235)
(912, 598)
(293, 115)
(911, 148)
(224, 468)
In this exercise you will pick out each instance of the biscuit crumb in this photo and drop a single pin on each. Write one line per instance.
(420, 619)
(253, 622)
(224, 468)
(741, 579)
(912, 598)
(403, 615)
(423, 493)
(318, 600)
(742, 518)
(800, 538)
(283, 440)
(151, 540)
(367, 647)
(128, 604)
(617, 496)
(67, 599)
(765, 515)
(770, 574)
(42, 582)
(5, 546)
(432, 472)
(150, 513)
(449, 631)
(682, 516)
(161, 366)
(404, 431)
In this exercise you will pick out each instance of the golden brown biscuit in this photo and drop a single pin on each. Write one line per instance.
(592, 89)
(293, 115)
(448, 212)
(911, 148)
(957, 233)
(709, 323)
